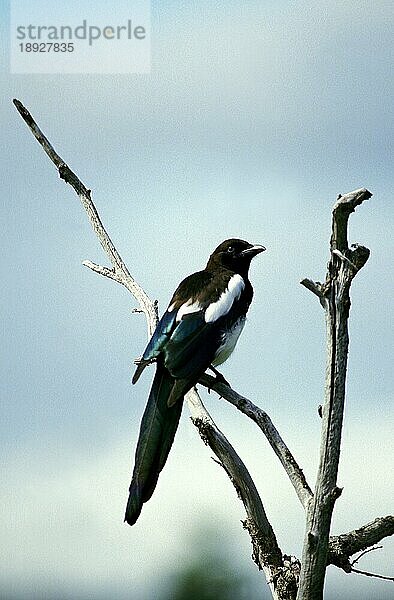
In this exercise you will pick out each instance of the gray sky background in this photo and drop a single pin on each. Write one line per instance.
(254, 117)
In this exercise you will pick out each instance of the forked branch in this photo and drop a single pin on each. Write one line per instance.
(334, 296)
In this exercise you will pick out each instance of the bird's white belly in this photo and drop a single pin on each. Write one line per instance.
(229, 343)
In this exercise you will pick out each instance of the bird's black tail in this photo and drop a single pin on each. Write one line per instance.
(158, 427)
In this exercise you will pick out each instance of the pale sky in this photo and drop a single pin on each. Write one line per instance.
(253, 118)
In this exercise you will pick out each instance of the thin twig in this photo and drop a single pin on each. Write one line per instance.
(355, 561)
(373, 575)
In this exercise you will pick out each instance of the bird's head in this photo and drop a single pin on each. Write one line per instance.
(235, 255)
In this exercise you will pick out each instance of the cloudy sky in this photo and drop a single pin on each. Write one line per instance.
(253, 118)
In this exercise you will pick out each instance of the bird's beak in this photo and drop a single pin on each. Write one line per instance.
(253, 250)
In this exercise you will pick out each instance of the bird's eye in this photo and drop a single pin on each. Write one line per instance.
(230, 249)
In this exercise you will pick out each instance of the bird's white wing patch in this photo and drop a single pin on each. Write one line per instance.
(186, 308)
(222, 306)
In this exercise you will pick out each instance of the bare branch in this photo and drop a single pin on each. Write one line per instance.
(105, 271)
(359, 557)
(236, 470)
(343, 266)
(368, 574)
(261, 418)
(119, 272)
(42, 140)
(343, 546)
(355, 561)
(281, 578)
(341, 211)
(315, 287)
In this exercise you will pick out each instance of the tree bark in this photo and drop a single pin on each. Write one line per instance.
(334, 296)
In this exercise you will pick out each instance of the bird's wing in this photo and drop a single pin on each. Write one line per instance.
(191, 348)
(189, 333)
(201, 321)
(181, 304)
(160, 336)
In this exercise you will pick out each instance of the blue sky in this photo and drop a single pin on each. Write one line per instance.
(253, 118)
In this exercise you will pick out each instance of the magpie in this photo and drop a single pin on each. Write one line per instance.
(199, 330)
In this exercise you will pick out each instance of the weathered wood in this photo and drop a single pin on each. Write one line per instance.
(343, 266)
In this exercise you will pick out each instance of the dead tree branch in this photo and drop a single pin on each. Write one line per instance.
(334, 295)
(368, 574)
(119, 271)
(343, 546)
(266, 552)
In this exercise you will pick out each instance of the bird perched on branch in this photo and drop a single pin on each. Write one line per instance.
(199, 330)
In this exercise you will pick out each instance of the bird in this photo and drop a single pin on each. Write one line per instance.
(198, 331)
